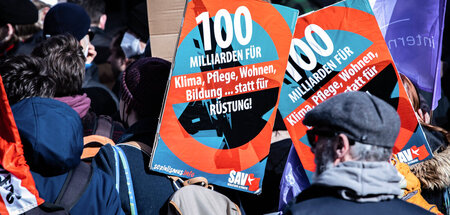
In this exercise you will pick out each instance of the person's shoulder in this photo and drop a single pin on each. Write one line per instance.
(404, 207)
(100, 197)
(325, 204)
(101, 180)
(321, 199)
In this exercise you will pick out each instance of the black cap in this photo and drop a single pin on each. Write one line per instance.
(363, 117)
(138, 21)
(67, 18)
(20, 12)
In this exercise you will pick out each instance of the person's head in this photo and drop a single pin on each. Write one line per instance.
(351, 126)
(137, 21)
(64, 58)
(24, 32)
(117, 59)
(13, 13)
(411, 91)
(423, 115)
(95, 9)
(51, 133)
(26, 77)
(142, 89)
(68, 18)
(134, 40)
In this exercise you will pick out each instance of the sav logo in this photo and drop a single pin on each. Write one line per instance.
(244, 180)
(413, 153)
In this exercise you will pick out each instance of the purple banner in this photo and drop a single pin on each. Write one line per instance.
(413, 30)
(294, 179)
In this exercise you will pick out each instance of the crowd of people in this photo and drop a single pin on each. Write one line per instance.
(84, 89)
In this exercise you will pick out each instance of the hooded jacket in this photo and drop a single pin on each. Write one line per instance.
(52, 138)
(412, 192)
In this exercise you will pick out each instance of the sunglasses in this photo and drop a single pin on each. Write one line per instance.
(314, 134)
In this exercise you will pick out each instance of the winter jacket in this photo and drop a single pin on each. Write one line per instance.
(52, 137)
(355, 187)
(434, 176)
(152, 190)
(412, 192)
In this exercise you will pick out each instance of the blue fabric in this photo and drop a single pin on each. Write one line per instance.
(52, 136)
(126, 167)
(44, 124)
(152, 189)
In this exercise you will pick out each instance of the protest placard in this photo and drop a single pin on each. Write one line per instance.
(337, 49)
(223, 92)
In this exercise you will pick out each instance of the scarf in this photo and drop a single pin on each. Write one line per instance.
(80, 103)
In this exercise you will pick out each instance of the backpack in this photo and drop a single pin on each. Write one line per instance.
(194, 197)
(76, 183)
(197, 197)
(102, 134)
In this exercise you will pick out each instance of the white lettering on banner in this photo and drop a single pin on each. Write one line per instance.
(415, 153)
(411, 40)
(202, 93)
(217, 77)
(168, 169)
(357, 66)
(224, 15)
(323, 94)
(17, 198)
(238, 178)
(343, 54)
(297, 116)
(247, 72)
(183, 81)
(405, 156)
(230, 106)
(252, 52)
(216, 58)
(308, 51)
(307, 84)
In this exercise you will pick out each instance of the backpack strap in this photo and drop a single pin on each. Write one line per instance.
(104, 126)
(92, 145)
(102, 133)
(126, 167)
(139, 145)
(135, 144)
(202, 181)
(74, 186)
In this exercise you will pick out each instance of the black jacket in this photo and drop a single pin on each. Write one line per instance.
(317, 200)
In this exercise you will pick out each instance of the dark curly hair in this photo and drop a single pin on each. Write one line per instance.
(64, 57)
(25, 77)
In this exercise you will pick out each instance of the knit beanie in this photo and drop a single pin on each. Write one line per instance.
(144, 85)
